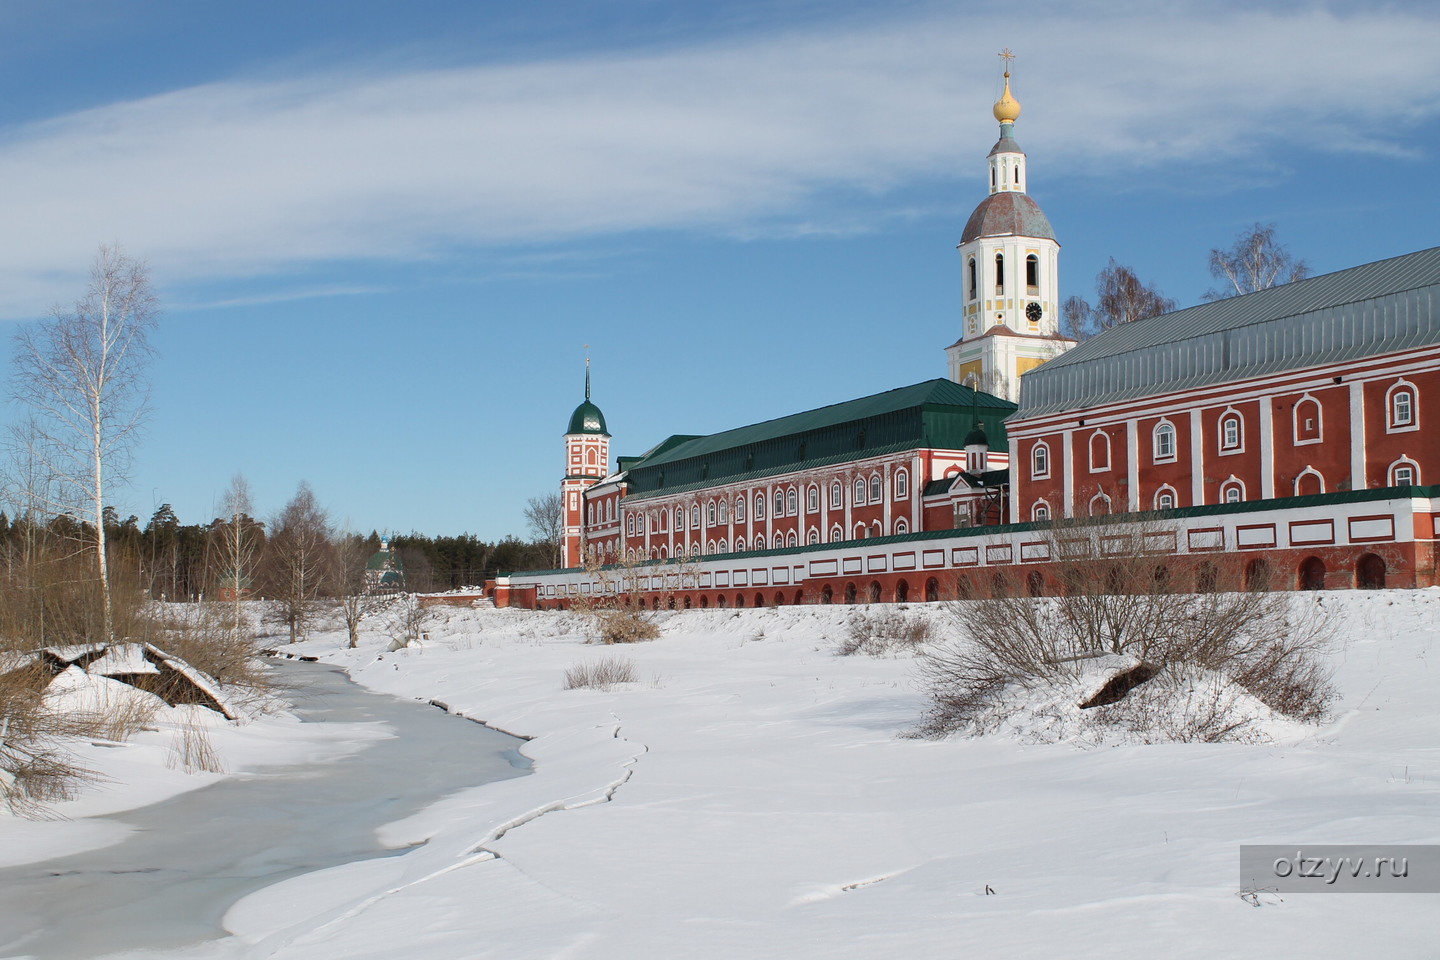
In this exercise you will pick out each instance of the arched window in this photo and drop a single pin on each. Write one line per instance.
(1404, 473)
(695, 516)
(1165, 498)
(724, 511)
(759, 506)
(814, 536)
(860, 531)
(710, 513)
(837, 494)
(902, 484)
(779, 541)
(1308, 421)
(710, 546)
(999, 274)
(630, 524)
(971, 286)
(1232, 491)
(790, 539)
(1309, 483)
(859, 492)
(875, 489)
(901, 526)
(1032, 265)
(812, 498)
(875, 530)
(1040, 461)
(590, 456)
(836, 534)
(791, 507)
(740, 509)
(1400, 402)
(1041, 511)
(1164, 440)
(721, 545)
(1232, 432)
(779, 504)
(1099, 505)
(1099, 451)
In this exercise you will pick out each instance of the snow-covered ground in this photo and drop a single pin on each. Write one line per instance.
(751, 796)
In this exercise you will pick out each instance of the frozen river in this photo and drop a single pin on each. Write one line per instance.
(191, 857)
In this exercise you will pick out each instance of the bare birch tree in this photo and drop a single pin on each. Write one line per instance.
(299, 558)
(352, 559)
(82, 375)
(1257, 261)
(236, 539)
(1121, 298)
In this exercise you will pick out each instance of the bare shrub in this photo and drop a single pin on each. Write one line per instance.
(600, 674)
(206, 636)
(625, 606)
(878, 632)
(1113, 597)
(35, 769)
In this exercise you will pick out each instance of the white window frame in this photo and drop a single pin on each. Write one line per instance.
(1404, 463)
(1040, 511)
(1393, 424)
(1164, 428)
(760, 505)
(1232, 484)
(877, 493)
(837, 495)
(1308, 471)
(1166, 491)
(860, 488)
(812, 499)
(1109, 452)
(902, 484)
(1319, 421)
(1100, 498)
(1228, 417)
(1040, 461)
(740, 508)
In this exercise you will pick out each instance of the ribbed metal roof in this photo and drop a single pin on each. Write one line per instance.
(1364, 311)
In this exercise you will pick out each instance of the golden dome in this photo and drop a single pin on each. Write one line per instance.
(1007, 108)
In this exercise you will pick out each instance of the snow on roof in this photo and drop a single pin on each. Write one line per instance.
(122, 658)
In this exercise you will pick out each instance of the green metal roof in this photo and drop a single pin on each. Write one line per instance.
(587, 418)
(935, 413)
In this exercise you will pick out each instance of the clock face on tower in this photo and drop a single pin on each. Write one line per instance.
(1033, 312)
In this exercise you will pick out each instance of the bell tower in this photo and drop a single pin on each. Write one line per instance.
(1009, 261)
(587, 462)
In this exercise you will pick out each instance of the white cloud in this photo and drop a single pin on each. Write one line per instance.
(244, 178)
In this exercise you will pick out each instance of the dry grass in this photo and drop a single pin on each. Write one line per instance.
(881, 632)
(600, 674)
(192, 750)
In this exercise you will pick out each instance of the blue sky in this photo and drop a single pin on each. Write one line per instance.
(384, 232)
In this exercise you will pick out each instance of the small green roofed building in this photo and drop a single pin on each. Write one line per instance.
(385, 571)
(931, 455)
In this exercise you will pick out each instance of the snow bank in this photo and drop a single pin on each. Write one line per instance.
(752, 796)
